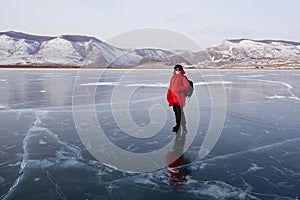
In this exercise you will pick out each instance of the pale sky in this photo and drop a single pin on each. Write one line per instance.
(206, 22)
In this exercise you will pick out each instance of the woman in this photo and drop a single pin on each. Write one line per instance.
(175, 96)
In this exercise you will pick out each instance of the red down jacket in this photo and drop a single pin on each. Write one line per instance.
(178, 84)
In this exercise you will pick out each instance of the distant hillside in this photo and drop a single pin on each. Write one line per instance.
(239, 53)
(244, 49)
(75, 50)
(67, 50)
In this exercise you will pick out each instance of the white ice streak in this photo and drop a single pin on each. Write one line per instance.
(101, 83)
(254, 168)
(57, 188)
(147, 85)
(144, 181)
(212, 83)
(2, 106)
(126, 84)
(205, 165)
(250, 76)
(163, 85)
(245, 134)
(275, 96)
(283, 97)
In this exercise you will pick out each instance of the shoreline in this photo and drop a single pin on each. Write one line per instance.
(22, 67)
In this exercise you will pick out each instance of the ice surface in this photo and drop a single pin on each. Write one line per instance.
(256, 156)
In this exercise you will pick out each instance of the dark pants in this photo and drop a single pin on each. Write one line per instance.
(179, 115)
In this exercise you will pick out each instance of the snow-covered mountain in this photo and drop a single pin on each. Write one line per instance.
(237, 53)
(73, 50)
(244, 49)
(67, 50)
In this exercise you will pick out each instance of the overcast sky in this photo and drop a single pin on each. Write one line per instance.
(207, 22)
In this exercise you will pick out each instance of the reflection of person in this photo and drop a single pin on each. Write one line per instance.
(175, 96)
(175, 160)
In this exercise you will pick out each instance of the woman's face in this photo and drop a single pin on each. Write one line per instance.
(177, 71)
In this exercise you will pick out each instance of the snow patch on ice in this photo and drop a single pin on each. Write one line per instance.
(254, 168)
(42, 142)
(205, 165)
(245, 134)
(152, 143)
(145, 181)
(36, 179)
(2, 180)
(2, 106)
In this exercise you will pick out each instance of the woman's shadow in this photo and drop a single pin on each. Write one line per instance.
(177, 171)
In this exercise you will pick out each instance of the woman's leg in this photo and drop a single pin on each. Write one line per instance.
(183, 121)
(177, 111)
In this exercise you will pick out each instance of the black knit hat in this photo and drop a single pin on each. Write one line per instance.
(178, 67)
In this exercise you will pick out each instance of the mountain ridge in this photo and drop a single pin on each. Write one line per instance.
(17, 48)
(265, 41)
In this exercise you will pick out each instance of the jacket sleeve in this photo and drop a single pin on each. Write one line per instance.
(169, 97)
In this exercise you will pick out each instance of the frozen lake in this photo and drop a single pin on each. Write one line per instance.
(43, 156)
